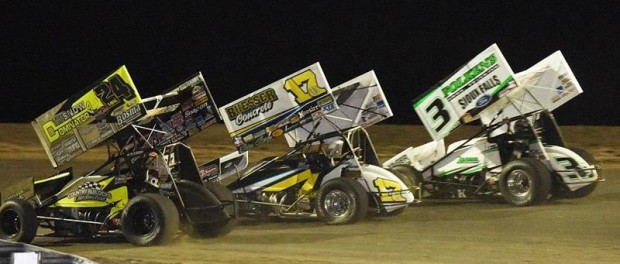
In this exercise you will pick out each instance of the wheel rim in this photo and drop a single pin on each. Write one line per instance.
(337, 203)
(518, 182)
(144, 221)
(11, 223)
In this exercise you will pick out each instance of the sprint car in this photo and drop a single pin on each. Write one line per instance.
(330, 171)
(339, 182)
(148, 188)
(519, 153)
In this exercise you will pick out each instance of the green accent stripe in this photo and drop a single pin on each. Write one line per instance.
(502, 85)
(490, 150)
(474, 169)
(420, 99)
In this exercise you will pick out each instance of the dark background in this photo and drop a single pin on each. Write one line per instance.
(49, 50)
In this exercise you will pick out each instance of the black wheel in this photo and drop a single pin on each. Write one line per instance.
(222, 227)
(588, 189)
(203, 214)
(149, 219)
(18, 221)
(525, 182)
(405, 174)
(342, 201)
(414, 177)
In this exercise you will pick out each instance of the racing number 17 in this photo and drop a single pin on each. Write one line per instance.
(389, 191)
(304, 86)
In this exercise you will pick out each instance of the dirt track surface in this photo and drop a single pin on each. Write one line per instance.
(558, 231)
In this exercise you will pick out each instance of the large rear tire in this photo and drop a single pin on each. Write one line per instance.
(406, 174)
(588, 189)
(150, 219)
(223, 227)
(416, 177)
(18, 221)
(525, 182)
(204, 216)
(342, 201)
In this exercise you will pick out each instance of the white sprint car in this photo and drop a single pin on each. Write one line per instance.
(519, 153)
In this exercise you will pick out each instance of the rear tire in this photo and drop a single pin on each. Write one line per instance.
(220, 228)
(413, 175)
(18, 221)
(203, 216)
(587, 190)
(149, 219)
(341, 201)
(406, 174)
(525, 182)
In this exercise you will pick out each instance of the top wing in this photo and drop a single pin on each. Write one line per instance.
(547, 85)
(361, 102)
(460, 98)
(89, 117)
(179, 113)
(278, 108)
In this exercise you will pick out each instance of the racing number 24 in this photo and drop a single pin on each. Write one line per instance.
(113, 91)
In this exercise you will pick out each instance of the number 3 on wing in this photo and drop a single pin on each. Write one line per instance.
(304, 86)
(438, 113)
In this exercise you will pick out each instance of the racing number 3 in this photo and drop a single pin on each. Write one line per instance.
(440, 114)
(389, 191)
(304, 86)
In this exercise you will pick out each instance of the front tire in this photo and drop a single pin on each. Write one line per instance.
(341, 201)
(18, 221)
(150, 219)
(525, 182)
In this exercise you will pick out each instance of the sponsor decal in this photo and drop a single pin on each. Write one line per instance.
(89, 191)
(252, 107)
(472, 95)
(402, 160)
(20, 195)
(564, 89)
(67, 121)
(469, 75)
(209, 170)
(468, 160)
(483, 101)
(127, 116)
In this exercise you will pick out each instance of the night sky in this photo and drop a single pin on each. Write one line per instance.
(50, 50)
